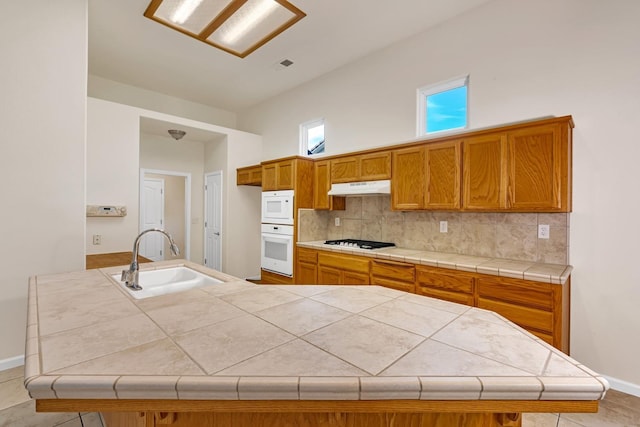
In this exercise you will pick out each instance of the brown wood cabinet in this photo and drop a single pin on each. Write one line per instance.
(269, 277)
(525, 168)
(427, 177)
(408, 183)
(278, 175)
(393, 274)
(541, 308)
(450, 285)
(342, 269)
(361, 167)
(249, 175)
(307, 267)
(322, 184)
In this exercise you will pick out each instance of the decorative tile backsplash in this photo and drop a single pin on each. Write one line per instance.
(495, 235)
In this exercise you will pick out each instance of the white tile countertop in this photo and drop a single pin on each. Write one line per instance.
(539, 272)
(87, 338)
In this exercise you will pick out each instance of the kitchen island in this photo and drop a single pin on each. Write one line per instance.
(241, 354)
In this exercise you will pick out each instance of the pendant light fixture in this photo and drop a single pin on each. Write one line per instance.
(235, 26)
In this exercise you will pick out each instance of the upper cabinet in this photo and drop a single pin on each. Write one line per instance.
(278, 175)
(522, 169)
(427, 177)
(322, 184)
(250, 175)
(361, 167)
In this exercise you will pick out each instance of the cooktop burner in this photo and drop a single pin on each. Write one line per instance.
(362, 244)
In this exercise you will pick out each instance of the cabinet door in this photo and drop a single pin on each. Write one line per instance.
(345, 169)
(485, 172)
(269, 181)
(307, 273)
(329, 275)
(321, 186)
(250, 175)
(443, 175)
(285, 175)
(407, 183)
(535, 168)
(375, 166)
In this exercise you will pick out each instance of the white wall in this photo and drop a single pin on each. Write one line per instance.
(109, 90)
(113, 139)
(241, 204)
(42, 117)
(526, 59)
(187, 156)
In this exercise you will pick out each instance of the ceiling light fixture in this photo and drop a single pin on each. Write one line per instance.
(235, 26)
(176, 133)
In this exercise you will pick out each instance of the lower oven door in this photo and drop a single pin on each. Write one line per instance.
(277, 253)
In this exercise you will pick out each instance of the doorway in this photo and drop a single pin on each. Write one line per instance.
(213, 220)
(173, 215)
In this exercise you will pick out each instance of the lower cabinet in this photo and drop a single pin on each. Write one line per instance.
(450, 285)
(268, 277)
(393, 274)
(540, 308)
(339, 269)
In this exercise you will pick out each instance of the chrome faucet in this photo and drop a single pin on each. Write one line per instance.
(130, 276)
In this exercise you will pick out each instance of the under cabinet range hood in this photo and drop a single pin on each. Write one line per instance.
(361, 188)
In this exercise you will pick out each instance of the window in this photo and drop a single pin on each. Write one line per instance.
(443, 106)
(312, 137)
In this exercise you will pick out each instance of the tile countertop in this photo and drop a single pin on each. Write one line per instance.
(87, 338)
(539, 272)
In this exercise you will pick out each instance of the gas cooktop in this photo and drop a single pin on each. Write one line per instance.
(362, 244)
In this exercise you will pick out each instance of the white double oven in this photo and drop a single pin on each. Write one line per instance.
(277, 232)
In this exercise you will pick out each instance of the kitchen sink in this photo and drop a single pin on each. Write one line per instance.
(167, 281)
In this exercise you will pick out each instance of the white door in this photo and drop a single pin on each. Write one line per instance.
(152, 216)
(213, 220)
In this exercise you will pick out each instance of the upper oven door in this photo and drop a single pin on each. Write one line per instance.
(277, 207)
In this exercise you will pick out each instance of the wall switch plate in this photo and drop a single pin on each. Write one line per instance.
(444, 226)
(97, 239)
(543, 231)
(337, 222)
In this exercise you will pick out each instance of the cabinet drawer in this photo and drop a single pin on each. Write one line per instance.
(344, 262)
(459, 297)
(522, 292)
(398, 271)
(393, 284)
(307, 255)
(455, 281)
(528, 318)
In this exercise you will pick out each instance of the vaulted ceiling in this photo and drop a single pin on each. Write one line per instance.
(126, 47)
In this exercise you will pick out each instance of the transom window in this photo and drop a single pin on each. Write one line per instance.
(443, 106)
(312, 137)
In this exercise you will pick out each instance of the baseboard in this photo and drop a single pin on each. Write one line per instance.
(11, 362)
(623, 386)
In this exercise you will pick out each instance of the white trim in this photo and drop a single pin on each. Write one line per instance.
(223, 234)
(421, 104)
(12, 362)
(304, 134)
(623, 386)
(187, 204)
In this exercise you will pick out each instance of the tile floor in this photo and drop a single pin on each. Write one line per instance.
(18, 410)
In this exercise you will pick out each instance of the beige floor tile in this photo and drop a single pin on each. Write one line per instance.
(10, 374)
(12, 393)
(91, 420)
(563, 422)
(71, 423)
(25, 415)
(539, 420)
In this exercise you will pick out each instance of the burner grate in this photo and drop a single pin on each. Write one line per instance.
(362, 244)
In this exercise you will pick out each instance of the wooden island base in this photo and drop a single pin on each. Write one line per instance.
(383, 413)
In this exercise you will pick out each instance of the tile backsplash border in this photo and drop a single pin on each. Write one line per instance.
(494, 235)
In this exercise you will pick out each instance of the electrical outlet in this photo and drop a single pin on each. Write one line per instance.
(444, 226)
(97, 239)
(337, 222)
(543, 231)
